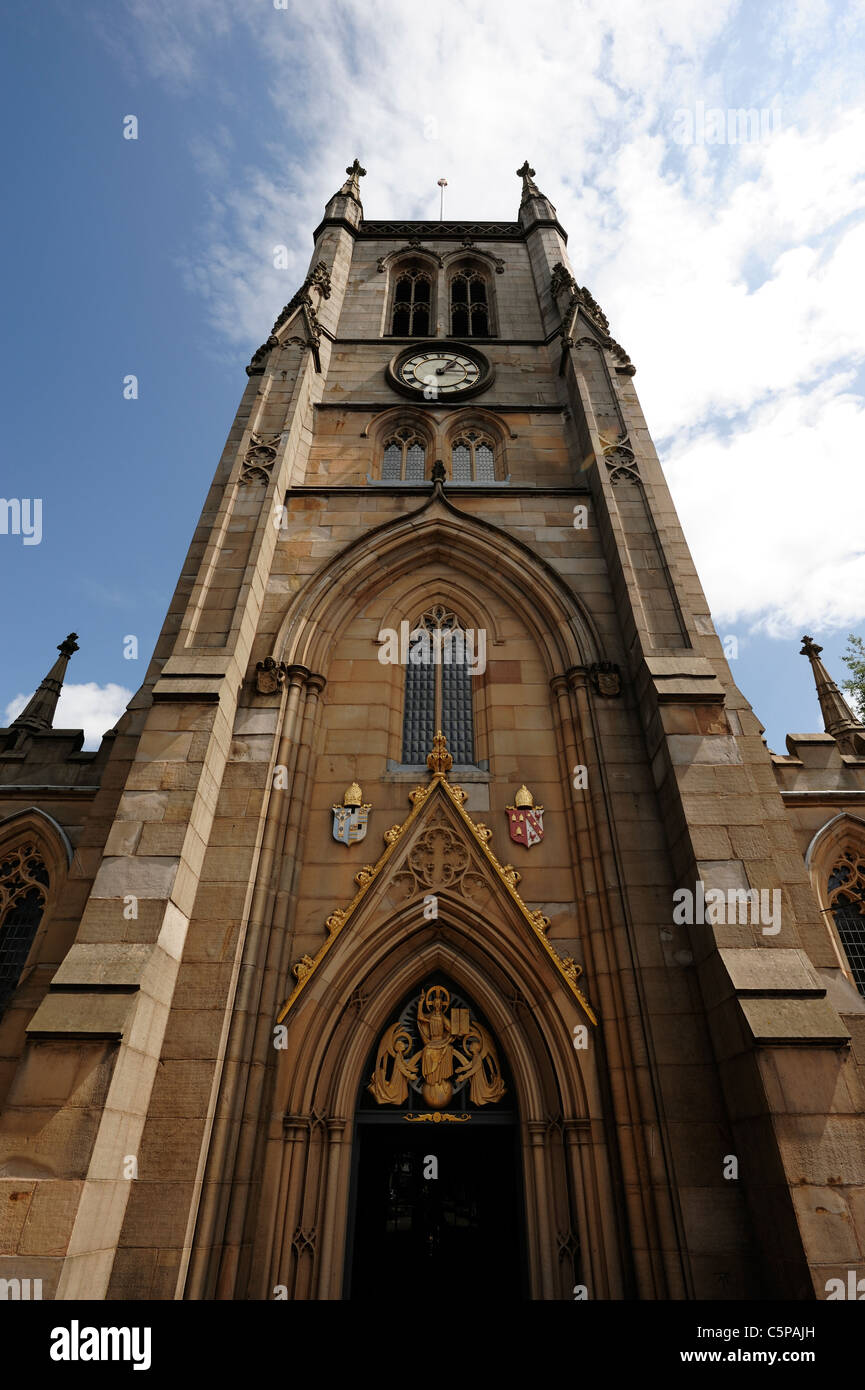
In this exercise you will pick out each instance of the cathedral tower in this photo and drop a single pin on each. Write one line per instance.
(436, 904)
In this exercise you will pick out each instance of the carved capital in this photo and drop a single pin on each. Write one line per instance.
(315, 683)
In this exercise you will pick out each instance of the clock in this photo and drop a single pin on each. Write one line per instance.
(440, 372)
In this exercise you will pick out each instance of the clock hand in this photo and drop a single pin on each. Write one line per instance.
(440, 371)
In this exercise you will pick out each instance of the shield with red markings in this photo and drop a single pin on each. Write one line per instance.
(526, 824)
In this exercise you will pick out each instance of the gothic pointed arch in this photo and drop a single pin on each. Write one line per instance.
(477, 415)
(411, 310)
(495, 263)
(412, 248)
(439, 849)
(403, 445)
(475, 454)
(471, 297)
(51, 835)
(442, 655)
(475, 615)
(449, 590)
(835, 860)
(35, 854)
(476, 549)
(485, 942)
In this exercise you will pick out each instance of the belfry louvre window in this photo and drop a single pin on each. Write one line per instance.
(404, 458)
(847, 903)
(438, 688)
(23, 894)
(470, 312)
(411, 304)
(472, 458)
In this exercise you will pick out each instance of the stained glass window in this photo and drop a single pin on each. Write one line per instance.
(438, 688)
(404, 457)
(23, 893)
(847, 901)
(472, 458)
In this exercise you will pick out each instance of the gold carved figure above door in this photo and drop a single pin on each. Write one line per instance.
(444, 1068)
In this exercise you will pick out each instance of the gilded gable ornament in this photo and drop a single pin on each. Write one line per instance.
(438, 1068)
(394, 1069)
(350, 819)
(525, 819)
(439, 760)
(338, 921)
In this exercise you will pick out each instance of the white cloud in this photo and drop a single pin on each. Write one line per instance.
(775, 547)
(91, 707)
(728, 272)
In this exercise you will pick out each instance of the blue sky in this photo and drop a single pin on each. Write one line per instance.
(731, 272)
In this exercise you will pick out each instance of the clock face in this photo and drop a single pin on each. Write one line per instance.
(437, 372)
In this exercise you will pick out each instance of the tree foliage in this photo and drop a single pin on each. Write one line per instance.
(854, 658)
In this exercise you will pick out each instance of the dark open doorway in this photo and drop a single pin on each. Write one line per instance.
(437, 1184)
(437, 1206)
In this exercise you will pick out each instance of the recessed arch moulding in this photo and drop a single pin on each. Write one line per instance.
(476, 550)
(494, 581)
(388, 949)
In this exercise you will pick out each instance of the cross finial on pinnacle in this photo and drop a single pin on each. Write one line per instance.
(351, 187)
(530, 188)
(809, 647)
(68, 645)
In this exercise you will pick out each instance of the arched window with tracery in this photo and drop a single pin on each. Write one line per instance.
(412, 301)
(438, 687)
(470, 304)
(404, 456)
(847, 904)
(23, 895)
(473, 458)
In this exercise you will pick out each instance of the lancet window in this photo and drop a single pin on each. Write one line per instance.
(412, 301)
(473, 458)
(404, 457)
(23, 894)
(442, 656)
(847, 903)
(469, 304)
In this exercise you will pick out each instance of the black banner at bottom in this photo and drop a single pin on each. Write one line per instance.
(63, 1340)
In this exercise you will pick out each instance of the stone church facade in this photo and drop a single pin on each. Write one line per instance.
(436, 909)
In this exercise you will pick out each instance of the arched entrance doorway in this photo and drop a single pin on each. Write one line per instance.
(437, 1186)
(307, 1224)
(342, 1034)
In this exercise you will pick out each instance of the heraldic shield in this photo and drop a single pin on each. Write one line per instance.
(349, 823)
(349, 819)
(525, 819)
